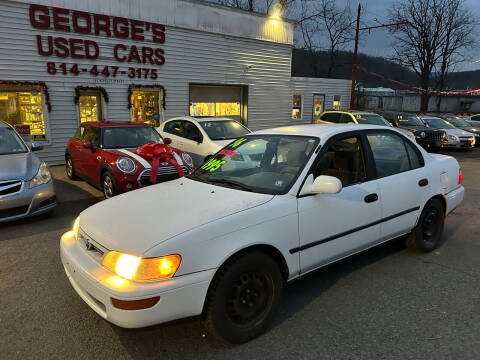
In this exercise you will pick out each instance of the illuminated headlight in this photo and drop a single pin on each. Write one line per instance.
(188, 159)
(43, 176)
(125, 165)
(76, 227)
(139, 269)
(453, 138)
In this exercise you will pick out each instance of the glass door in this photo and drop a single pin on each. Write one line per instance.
(318, 107)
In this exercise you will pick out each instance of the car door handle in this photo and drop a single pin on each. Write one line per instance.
(423, 182)
(371, 198)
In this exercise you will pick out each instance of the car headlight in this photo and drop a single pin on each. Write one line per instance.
(43, 176)
(125, 165)
(139, 269)
(452, 137)
(188, 159)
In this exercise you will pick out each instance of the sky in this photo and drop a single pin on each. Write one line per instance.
(378, 42)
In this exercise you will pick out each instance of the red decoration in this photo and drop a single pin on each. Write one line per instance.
(158, 153)
(31, 83)
(227, 152)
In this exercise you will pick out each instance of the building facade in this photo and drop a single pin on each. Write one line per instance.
(66, 62)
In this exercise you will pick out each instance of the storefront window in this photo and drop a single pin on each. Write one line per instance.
(145, 106)
(297, 107)
(23, 109)
(336, 101)
(215, 109)
(89, 108)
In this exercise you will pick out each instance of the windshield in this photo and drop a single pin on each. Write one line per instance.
(409, 120)
(438, 123)
(129, 137)
(459, 122)
(371, 119)
(267, 164)
(225, 129)
(10, 142)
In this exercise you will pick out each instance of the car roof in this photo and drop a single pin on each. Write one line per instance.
(113, 124)
(201, 119)
(351, 111)
(319, 130)
(3, 124)
(429, 117)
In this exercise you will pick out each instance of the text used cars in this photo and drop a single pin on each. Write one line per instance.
(266, 209)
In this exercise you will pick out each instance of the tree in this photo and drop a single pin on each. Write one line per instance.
(436, 36)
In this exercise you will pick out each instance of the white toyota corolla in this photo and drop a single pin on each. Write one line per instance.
(266, 209)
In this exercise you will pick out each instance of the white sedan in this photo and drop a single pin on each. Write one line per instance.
(201, 137)
(223, 241)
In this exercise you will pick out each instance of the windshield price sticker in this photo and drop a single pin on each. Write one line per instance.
(238, 142)
(212, 165)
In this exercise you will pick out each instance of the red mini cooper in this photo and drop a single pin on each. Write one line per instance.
(105, 155)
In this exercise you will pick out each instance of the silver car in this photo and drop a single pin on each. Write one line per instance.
(26, 186)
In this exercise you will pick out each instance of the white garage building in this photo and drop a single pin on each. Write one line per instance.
(65, 62)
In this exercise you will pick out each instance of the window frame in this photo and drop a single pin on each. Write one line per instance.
(297, 107)
(172, 121)
(184, 123)
(402, 137)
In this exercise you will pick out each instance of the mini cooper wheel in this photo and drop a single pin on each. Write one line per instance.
(109, 185)
(428, 233)
(243, 297)
(70, 169)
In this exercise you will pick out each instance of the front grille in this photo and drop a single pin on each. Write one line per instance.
(435, 135)
(91, 247)
(164, 173)
(10, 187)
(6, 213)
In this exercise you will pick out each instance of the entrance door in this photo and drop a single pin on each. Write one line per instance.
(318, 107)
(332, 226)
(146, 106)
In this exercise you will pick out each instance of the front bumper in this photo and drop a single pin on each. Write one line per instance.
(459, 144)
(180, 297)
(27, 202)
(429, 143)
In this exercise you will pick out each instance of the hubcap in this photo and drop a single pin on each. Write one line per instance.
(430, 225)
(249, 297)
(69, 167)
(107, 187)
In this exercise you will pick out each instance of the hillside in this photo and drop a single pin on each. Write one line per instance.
(316, 65)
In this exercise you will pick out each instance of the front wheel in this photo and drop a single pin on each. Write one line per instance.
(428, 233)
(109, 185)
(70, 169)
(243, 297)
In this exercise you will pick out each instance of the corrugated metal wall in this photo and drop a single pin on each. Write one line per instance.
(191, 57)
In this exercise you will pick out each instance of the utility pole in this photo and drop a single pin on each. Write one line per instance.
(355, 52)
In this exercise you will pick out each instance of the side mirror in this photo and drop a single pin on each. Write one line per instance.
(87, 144)
(208, 157)
(323, 184)
(167, 141)
(35, 146)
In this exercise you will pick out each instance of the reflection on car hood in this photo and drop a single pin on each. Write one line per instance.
(22, 166)
(136, 221)
(457, 132)
(146, 163)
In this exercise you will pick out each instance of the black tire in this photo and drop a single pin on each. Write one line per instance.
(70, 168)
(428, 233)
(243, 297)
(109, 185)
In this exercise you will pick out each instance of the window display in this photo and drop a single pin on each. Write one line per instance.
(297, 107)
(145, 107)
(89, 108)
(215, 109)
(23, 109)
(336, 102)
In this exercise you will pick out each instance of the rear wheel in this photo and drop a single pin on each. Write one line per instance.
(70, 169)
(109, 185)
(428, 233)
(243, 297)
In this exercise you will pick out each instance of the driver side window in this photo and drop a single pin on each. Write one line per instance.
(344, 159)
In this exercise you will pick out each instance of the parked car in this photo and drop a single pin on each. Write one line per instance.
(455, 137)
(223, 243)
(474, 120)
(428, 138)
(201, 137)
(462, 124)
(356, 117)
(26, 186)
(103, 154)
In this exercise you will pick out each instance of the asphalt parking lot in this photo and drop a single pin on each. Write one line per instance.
(386, 303)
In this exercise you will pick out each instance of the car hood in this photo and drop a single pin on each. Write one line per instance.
(136, 221)
(417, 128)
(146, 163)
(23, 166)
(471, 129)
(458, 132)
